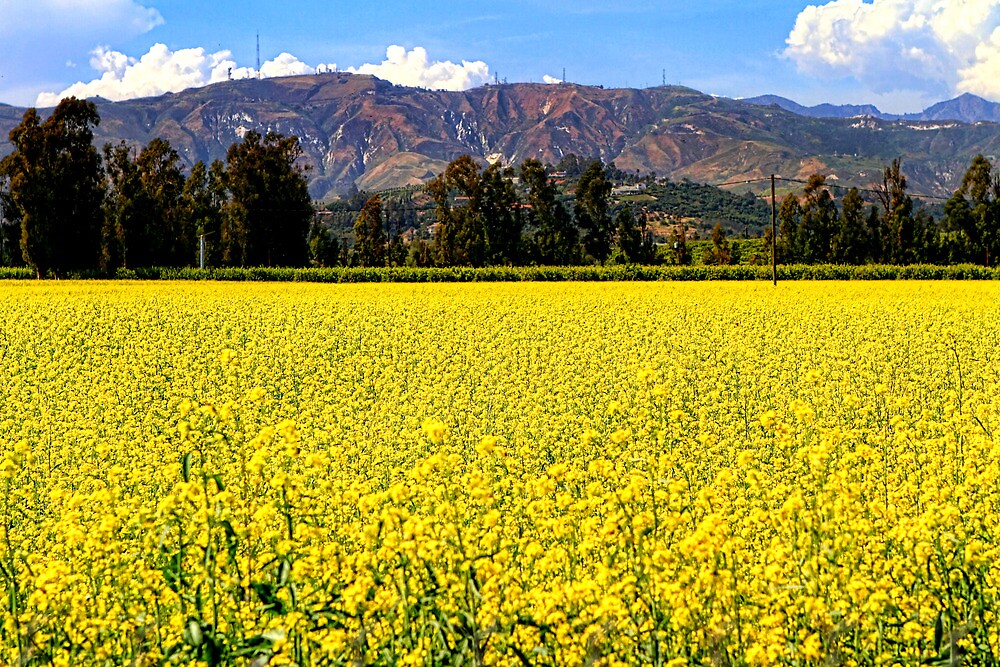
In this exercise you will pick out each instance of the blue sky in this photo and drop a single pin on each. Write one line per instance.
(899, 54)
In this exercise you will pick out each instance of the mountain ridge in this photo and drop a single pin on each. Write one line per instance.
(357, 130)
(966, 108)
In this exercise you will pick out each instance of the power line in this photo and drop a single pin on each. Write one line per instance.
(827, 185)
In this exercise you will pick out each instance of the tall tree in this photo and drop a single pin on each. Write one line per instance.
(324, 250)
(974, 212)
(123, 233)
(682, 254)
(591, 211)
(202, 202)
(790, 245)
(267, 219)
(399, 216)
(898, 231)
(57, 187)
(501, 214)
(851, 242)
(719, 253)
(369, 234)
(634, 238)
(629, 239)
(460, 234)
(10, 227)
(819, 221)
(555, 235)
(171, 232)
(145, 222)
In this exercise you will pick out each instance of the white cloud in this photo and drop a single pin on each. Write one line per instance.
(162, 70)
(39, 38)
(159, 71)
(550, 79)
(413, 68)
(934, 46)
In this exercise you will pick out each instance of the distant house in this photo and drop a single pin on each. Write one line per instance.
(625, 190)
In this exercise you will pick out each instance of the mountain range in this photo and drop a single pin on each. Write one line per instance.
(966, 108)
(360, 131)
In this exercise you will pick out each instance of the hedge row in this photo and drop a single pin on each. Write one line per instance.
(549, 273)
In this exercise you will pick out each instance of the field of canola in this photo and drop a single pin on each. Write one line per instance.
(525, 474)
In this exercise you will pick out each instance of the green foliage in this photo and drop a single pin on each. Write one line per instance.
(687, 200)
(899, 228)
(555, 237)
(609, 272)
(267, 220)
(460, 235)
(501, 213)
(972, 215)
(146, 221)
(369, 235)
(56, 187)
(719, 253)
(635, 241)
(324, 250)
(853, 241)
(202, 201)
(592, 211)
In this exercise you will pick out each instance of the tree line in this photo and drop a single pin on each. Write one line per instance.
(815, 228)
(69, 207)
(497, 215)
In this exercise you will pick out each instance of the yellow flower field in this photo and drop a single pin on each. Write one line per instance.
(499, 474)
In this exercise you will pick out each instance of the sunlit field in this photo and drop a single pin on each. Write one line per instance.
(499, 474)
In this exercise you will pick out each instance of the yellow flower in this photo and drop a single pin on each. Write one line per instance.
(434, 429)
(812, 647)
(619, 436)
(486, 445)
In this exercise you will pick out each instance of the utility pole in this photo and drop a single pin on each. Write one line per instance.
(774, 236)
(201, 249)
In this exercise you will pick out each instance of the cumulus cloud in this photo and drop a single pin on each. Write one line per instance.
(162, 70)
(934, 46)
(550, 79)
(414, 68)
(159, 71)
(39, 38)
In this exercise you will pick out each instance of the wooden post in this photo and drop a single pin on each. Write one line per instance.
(774, 235)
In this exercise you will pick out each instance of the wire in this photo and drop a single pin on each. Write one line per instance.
(827, 185)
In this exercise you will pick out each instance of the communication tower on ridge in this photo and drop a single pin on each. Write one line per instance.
(258, 55)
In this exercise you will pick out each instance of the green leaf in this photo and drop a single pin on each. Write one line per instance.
(268, 596)
(938, 633)
(192, 633)
(284, 569)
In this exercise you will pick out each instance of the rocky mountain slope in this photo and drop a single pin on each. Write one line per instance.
(359, 130)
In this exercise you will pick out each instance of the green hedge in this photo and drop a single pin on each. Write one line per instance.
(574, 273)
(548, 273)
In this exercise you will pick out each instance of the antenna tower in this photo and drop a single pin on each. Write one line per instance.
(564, 75)
(664, 77)
(258, 55)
